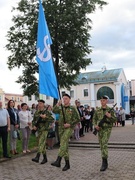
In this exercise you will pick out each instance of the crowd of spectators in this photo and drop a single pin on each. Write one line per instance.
(19, 120)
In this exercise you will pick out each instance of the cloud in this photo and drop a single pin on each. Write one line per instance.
(112, 40)
(113, 37)
(8, 78)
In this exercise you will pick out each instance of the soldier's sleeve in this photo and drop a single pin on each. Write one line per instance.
(49, 117)
(113, 117)
(56, 109)
(95, 118)
(34, 119)
(75, 118)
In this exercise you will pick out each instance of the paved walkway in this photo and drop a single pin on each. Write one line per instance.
(85, 164)
(119, 134)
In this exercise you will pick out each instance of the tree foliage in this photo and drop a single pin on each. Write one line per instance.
(69, 26)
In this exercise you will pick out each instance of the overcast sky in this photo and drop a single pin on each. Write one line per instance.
(113, 37)
(113, 40)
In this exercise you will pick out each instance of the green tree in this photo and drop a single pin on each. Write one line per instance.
(69, 24)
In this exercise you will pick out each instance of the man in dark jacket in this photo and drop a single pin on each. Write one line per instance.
(82, 120)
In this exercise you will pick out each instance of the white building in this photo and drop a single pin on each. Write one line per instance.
(92, 85)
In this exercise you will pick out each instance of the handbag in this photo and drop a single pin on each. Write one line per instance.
(14, 134)
(51, 134)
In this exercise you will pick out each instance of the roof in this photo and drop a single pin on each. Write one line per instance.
(99, 76)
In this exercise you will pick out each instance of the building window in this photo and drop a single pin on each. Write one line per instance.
(36, 97)
(47, 97)
(72, 93)
(85, 92)
(63, 92)
(105, 91)
(29, 98)
(0, 98)
(12, 98)
(18, 99)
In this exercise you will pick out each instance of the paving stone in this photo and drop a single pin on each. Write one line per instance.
(85, 163)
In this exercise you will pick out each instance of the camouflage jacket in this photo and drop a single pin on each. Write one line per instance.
(71, 115)
(44, 122)
(99, 114)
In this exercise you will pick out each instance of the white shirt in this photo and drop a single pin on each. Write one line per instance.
(24, 117)
(4, 115)
(87, 117)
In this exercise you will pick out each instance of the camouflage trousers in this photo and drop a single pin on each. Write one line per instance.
(42, 136)
(103, 137)
(65, 135)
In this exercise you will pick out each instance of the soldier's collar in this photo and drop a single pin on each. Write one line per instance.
(66, 107)
(41, 110)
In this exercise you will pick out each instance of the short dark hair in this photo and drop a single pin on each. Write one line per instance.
(41, 100)
(81, 106)
(23, 104)
(66, 95)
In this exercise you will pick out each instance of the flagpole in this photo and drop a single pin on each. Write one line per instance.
(59, 93)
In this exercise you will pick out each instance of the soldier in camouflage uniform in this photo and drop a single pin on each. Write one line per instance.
(66, 128)
(104, 131)
(42, 119)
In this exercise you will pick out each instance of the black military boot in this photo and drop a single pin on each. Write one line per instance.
(67, 166)
(104, 164)
(44, 159)
(36, 159)
(57, 163)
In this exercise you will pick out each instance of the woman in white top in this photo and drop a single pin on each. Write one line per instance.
(25, 124)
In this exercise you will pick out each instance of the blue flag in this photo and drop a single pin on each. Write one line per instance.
(47, 78)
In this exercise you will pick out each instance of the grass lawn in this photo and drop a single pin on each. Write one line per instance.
(32, 144)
